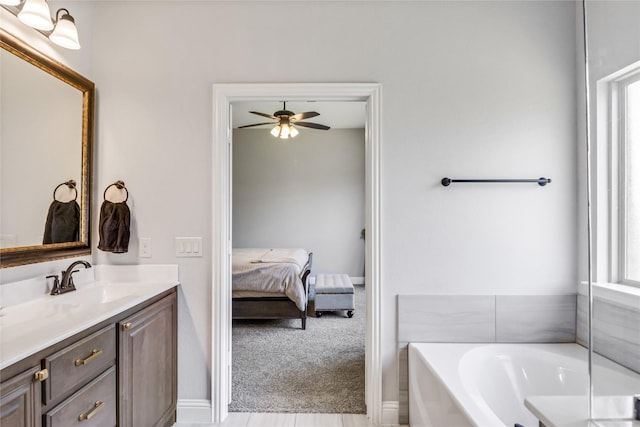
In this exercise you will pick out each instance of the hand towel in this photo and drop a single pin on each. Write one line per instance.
(63, 223)
(114, 227)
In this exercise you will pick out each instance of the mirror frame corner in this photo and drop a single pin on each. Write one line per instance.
(12, 257)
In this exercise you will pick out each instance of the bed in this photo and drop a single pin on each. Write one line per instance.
(270, 283)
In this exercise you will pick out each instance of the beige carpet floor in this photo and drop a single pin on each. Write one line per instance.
(278, 367)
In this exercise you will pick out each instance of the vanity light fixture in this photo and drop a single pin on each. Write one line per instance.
(36, 14)
(65, 33)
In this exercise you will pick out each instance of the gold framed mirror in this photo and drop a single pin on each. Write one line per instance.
(46, 144)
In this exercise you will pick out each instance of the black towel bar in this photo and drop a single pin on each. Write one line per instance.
(540, 181)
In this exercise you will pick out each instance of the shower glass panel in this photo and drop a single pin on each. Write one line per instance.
(609, 310)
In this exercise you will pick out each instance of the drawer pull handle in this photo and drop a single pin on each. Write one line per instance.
(94, 353)
(99, 405)
(127, 326)
(42, 375)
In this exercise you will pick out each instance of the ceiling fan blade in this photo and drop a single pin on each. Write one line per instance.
(302, 116)
(312, 125)
(264, 115)
(257, 124)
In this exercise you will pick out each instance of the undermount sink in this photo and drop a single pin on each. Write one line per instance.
(31, 319)
(49, 307)
(53, 308)
(95, 294)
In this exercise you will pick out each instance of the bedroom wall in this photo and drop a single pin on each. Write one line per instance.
(469, 89)
(307, 192)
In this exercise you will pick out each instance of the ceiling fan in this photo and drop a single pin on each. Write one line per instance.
(285, 120)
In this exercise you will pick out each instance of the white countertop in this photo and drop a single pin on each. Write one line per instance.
(572, 411)
(33, 325)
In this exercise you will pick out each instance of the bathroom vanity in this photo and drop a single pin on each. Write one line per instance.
(104, 355)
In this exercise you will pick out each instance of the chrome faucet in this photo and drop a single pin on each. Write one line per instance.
(66, 282)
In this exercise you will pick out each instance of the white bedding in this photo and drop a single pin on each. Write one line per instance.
(270, 271)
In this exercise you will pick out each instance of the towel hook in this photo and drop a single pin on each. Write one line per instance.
(119, 184)
(72, 186)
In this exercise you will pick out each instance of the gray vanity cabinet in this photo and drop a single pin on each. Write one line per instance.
(78, 363)
(94, 405)
(147, 365)
(81, 388)
(20, 399)
(120, 372)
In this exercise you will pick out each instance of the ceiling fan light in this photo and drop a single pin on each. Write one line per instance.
(36, 14)
(284, 126)
(284, 133)
(65, 33)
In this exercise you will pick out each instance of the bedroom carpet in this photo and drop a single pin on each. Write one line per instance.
(278, 367)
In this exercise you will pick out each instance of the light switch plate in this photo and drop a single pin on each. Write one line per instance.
(144, 247)
(188, 247)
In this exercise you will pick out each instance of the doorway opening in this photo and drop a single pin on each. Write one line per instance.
(224, 95)
(298, 195)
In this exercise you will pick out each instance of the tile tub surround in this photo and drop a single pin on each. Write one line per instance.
(443, 318)
(477, 319)
(616, 324)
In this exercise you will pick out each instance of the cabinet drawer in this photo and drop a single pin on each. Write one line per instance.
(73, 366)
(93, 405)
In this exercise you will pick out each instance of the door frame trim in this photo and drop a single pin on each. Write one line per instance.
(221, 226)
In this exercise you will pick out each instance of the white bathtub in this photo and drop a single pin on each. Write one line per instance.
(484, 385)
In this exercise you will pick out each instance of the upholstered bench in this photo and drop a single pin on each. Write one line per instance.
(334, 292)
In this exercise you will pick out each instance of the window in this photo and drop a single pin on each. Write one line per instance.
(617, 189)
(628, 233)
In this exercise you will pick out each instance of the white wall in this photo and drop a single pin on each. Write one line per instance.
(304, 192)
(469, 89)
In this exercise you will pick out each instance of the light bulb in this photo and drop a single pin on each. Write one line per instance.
(36, 14)
(276, 131)
(284, 134)
(65, 33)
(293, 132)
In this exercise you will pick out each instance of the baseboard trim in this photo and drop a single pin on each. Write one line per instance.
(390, 413)
(193, 411)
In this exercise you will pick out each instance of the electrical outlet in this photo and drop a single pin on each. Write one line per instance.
(144, 247)
(188, 247)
